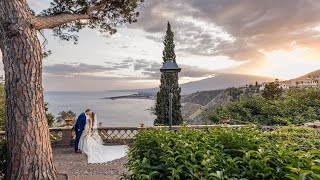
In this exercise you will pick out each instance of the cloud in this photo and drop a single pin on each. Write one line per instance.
(88, 77)
(148, 70)
(38, 5)
(125, 64)
(93, 83)
(154, 38)
(75, 68)
(151, 69)
(237, 29)
(64, 69)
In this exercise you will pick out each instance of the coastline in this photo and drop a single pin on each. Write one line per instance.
(133, 96)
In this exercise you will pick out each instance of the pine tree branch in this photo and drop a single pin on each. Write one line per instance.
(49, 22)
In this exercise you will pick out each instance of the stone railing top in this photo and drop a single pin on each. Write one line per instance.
(64, 135)
(195, 126)
(112, 128)
(173, 127)
(122, 128)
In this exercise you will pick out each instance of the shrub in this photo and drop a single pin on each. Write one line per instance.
(222, 153)
(3, 151)
(297, 106)
(65, 115)
(2, 106)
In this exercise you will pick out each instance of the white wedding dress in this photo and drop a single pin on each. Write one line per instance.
(92, 145)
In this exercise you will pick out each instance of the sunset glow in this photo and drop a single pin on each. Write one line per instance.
(288, 64)
(251, 37)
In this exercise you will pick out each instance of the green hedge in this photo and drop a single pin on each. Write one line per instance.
(3, 152)
(221, 153)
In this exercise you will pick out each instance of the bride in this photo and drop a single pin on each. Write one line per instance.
(92, 145)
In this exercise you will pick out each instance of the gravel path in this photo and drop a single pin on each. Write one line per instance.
(76, 167)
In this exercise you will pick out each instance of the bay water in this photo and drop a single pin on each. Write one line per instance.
(112, 113)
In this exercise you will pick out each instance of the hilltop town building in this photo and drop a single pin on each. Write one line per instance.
(299, 83)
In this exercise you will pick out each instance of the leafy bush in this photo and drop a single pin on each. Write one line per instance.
(3, 152)
(50, 117)
(295, 107)
(65, 115)
(272, 91)
(221, 153)
(304, 138)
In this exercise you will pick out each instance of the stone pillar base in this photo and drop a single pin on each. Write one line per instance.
(66, 136)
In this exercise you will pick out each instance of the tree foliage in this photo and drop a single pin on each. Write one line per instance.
(162, 103)
(104, 15)
(50, 117)
(295, 107)
(272, 91)
(3, 155)
(65, 115)
(2, 106)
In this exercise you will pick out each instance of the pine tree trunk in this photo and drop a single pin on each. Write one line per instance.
(29, 149)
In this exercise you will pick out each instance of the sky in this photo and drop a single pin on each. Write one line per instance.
(280, 39)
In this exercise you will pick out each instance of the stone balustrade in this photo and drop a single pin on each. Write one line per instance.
(110, 135)
(61, 135)
(114, 135)
(121, 135)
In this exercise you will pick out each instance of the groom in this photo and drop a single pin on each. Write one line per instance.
(79, 127)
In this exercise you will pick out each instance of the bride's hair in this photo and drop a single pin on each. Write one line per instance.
(92, 116)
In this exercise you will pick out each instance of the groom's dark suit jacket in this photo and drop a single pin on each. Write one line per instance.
(81, 122)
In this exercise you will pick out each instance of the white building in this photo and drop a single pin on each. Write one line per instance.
(299, 83)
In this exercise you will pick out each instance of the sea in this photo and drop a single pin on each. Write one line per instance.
(111, 113)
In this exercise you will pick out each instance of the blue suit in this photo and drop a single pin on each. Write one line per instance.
(79, 127)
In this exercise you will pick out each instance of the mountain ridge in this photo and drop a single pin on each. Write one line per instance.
(223, 81)
(219, 81)
(197, 104)
(312, 74)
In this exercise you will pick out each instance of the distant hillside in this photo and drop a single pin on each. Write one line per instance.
(313, 74)
(196, 105)
(220, 81)
(203, 97)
